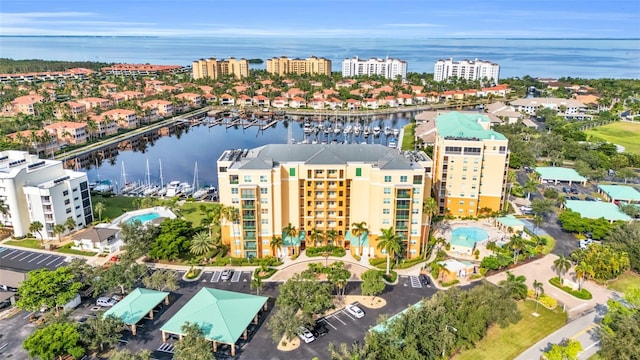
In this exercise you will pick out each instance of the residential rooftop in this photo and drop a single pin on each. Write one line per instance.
(596, 210)
(559, 174)
(621, 192)
(455, 124)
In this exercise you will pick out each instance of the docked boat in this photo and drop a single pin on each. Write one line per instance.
(347, 130)
(393, 144)
(366, 131)
(357, 129)
(151, 190)
(376, 131)
(396, 132)
(104, 186)
(387, 131)
(174, 188)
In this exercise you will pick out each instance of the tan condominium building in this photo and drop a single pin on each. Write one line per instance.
(313, 65)
(213, 68)
(471, 162)
(321, 190)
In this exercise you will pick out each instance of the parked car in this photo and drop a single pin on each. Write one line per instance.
(226, 274)
(117, 297)
(566, 189)
(424, 279)
(589, 198)
(355, 311)
(306, 335)
(320, 329)
(105, 302)
(585, 243)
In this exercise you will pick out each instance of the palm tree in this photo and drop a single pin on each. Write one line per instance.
(429, 209)
(515, 285)
(276, 243)
(562, 265)
(58, 230)
(290, 232)
(359, 230)
(70, 224)
(4, 208)
(538, 290)
(530, 186)
(99, 207)
(331, 236)
(37, 227)
(231, 214)
(391, 243)
(583, 272)
(201, 243)
(516, 244)
(256, 283)
(316, 236)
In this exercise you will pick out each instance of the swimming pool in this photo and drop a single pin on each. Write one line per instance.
(468, 236)
(144, 217)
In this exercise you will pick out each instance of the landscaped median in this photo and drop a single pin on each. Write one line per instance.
(582, 294)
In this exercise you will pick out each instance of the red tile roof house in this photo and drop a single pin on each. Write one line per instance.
(390, 101)
(345, 83)
(226, 99)
(93, 103)
(297, 103)
(69, 132)
(105, 126)
(125, 118)
(353, 104)
(279, 102)
(206, 89)
(370, 103)
(405, 99)
(108, 89)
(72, 108)
(318, 103)
(42, 149)
(194, 100)
(164, 107)
(244, 100)
(335, 103)
(260, 100)
(210, 98)
(25, 104)
(420, 98)
(294, 92)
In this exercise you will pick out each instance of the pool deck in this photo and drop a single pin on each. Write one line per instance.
(485, 224)
(161, 210)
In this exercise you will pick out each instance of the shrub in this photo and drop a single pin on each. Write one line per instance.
(582, 294)
(331, 249)
(392, 277)
(269, 272)
(293, 257)
(377, 261)
(450, 283)
(410, 263)
(547, 301)
(192, 274)
(448, 246)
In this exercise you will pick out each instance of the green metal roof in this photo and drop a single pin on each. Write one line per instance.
(621, 192)
(292, 241)
(222, 315)
(596, 210)
(355, 241)
(559, 173)
(510, 221)
(465, 126)
(136, 305)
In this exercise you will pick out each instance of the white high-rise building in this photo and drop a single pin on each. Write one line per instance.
(388, 67)
(466, 69)
(34, 189)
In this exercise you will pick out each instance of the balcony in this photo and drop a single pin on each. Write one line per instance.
(250, 245)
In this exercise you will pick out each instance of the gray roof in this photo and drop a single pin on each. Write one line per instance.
(95, 234)
(268, 156)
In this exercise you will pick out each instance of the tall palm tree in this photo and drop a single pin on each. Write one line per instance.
(530, 186)
(4, 208)
(583, 272)
(276, 243)
(231, 214)
(256, 283)
(290, 232)
(538, 289)
(562, 264)
(515, 285)
(391, 243)
(359, 230)
(201, 243)
(58, 230)
(70, 224)
(316, 236)
(429, 209)
(331, 236)
(37, 227)
(516, 244)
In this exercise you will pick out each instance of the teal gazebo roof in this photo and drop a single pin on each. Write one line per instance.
(293, 241)
(222, 315)
(510, 221)
(362, 241)
(136, 305)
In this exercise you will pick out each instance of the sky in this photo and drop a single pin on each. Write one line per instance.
(325, 18)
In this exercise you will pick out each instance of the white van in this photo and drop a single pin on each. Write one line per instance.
(106, 302)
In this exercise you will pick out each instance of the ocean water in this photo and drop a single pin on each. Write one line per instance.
(585, 58)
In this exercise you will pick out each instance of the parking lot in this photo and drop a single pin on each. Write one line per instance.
(25, 260)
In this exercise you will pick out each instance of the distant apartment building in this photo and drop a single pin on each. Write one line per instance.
(313, 65)
(35, 189)
(564, 106)
(71, 74)
(213, 68)
(26, 104)
(470, 165)
(387, 67)
(69, 132)
(142, 69)
(323, 189)
(466, 69)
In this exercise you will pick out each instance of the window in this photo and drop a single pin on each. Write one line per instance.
(403, 179)
(461, 202)
(264, 191)
(65, 193)
(358, 171)
(292, 171)
(332, 172)
(387, 191)
(264, 201)
(67, 202)
(222, 169)
(386, 211)
(386, 201)
(233, 179)
(387, 178)
(235, 201)
(416, 190)
(263, 178)
(247, 178)
(475, 169)
(264, 221)
(234, 190)
(417, 179)
(68, 210)
(264, 211)
(385, 222)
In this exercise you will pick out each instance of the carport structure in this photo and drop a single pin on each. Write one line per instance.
(138, 304)
(596, 210)
(622, 193)
(560, 174)
(222, 315)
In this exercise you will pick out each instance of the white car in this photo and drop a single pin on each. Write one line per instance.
(226, 274)
(106, 302)
(306, 335)
(355, 311)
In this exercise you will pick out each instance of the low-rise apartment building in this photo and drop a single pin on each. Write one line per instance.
(35, 189)
(323, 188)
(69, 132)
(564, 106)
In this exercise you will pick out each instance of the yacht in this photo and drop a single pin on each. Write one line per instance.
(396, 132)
(173, 189)
(387, 131)
(376, 131)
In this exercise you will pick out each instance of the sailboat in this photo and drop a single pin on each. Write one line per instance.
(127, 185)
(163, 190)
(199, 192)
(150, 189)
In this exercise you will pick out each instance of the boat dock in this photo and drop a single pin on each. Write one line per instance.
(270, 124)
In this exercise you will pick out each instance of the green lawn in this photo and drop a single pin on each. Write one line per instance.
(625, 281)
(114, 205)
(191, 211)
(621, 133)
(28, 243)
(408, 139)
(507, 343)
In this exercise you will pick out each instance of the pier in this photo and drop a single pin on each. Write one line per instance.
(270, 124)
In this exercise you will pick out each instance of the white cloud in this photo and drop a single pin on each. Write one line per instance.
(420, 25)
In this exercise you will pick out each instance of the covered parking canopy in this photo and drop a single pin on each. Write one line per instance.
(222, 315)
(620, 193)
(135, 306)
(509, 222)
(597, 210)
(560, 174)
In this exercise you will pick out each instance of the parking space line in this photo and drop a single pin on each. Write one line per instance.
(3, 249)
(20, 253)
(39, 255)
(44, 259)
(215, 277)
(3, 346)
(333, 316)
(328, 323)
(59, 264)
(26, 257)
(52, 261)
(236, 276)
(8, 254)
(205, 276)
(27, 316)
(348, 315)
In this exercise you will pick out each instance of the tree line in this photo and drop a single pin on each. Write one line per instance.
(11, 66)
